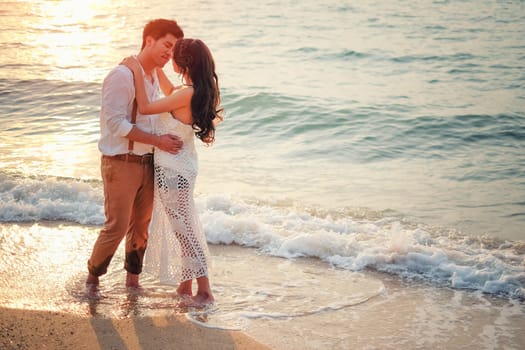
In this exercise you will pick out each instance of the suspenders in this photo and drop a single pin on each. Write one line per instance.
(133, 121)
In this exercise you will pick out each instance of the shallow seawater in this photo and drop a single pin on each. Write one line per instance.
(46, 270)
(300, 303)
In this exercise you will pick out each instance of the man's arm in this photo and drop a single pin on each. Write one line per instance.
(167, 143)
(116, 92)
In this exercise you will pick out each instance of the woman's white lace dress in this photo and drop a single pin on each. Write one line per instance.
(177, 249)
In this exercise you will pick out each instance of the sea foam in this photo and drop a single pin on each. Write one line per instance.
(346, 241)
(384, 244)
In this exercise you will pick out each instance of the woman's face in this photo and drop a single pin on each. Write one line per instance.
(176, 67)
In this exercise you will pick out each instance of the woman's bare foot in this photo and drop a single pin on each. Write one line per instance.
(203, 299)
(184, 301)
(204, 296)
(197, 301)
(185, 288)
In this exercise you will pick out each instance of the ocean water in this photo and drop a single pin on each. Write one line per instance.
(383, 137)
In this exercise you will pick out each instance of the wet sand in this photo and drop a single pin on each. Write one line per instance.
(407, 315)
(26, 329)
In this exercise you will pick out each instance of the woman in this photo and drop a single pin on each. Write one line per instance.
(177, 249)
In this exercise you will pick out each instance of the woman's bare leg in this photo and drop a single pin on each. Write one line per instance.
(185, 288)
(204, 295)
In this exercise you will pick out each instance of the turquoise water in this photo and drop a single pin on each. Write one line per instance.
(414, 111)
(364, 121)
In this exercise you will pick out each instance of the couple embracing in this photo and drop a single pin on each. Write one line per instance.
(149, 162)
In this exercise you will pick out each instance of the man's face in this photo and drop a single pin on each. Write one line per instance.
(161, 50)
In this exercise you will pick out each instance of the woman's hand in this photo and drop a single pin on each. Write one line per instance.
(132, 63)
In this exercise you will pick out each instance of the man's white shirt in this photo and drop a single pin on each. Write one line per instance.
(118, 92)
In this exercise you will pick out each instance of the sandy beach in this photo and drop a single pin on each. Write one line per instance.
(24, 329)
(400, 319)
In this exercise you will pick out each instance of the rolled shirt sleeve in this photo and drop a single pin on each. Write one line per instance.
(117, 92)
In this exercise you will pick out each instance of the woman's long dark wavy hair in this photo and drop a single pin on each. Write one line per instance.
(194, 58)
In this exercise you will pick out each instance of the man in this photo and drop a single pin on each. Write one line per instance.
(127, 158)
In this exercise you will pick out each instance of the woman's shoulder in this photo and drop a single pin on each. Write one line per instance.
(183, 90)
(181, 97)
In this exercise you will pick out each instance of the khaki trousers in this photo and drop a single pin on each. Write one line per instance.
(128, 205)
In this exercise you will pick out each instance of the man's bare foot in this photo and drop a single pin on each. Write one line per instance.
(92, 279)
(132, 280)
(92, 291)
(92, 287)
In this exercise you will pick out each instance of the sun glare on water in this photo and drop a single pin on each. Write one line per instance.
(67, 37)
(70, 11)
